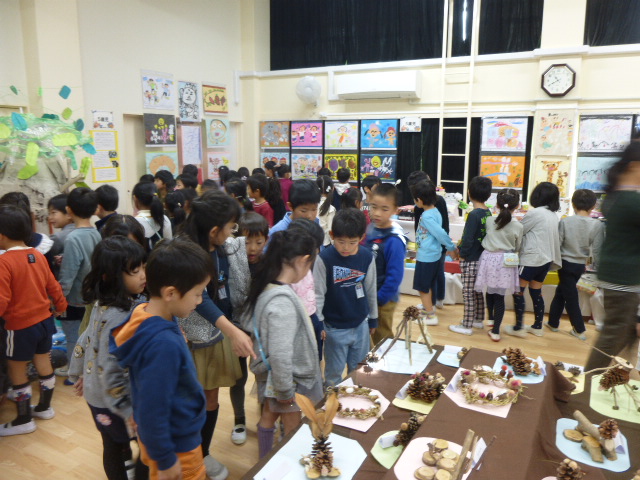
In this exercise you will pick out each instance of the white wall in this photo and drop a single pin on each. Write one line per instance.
(13, 70)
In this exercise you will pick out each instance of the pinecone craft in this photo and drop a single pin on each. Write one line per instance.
(559, 365)
(408, 430)
(569, 470)
(519, 362)
(426, 387)
(411, 313)
(613, 377)
(322, 457)
(608, 428)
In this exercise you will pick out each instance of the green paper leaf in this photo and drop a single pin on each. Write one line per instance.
(18, 121)
(79, 124)
(5, 131)
(50, 116)
(31, 157)
(82, 185)
(14, 89)
(39, 91)
(65, 140)
(85, 164)
(28, 171)
(72, 158)
(90, 149)
(65, 92)
(66, 113)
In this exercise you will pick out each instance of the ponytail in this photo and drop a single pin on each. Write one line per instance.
(507, 200)
(175, 204)
(147, 195)
(325, 184)
(274, 199)
(350, 198)
(238, 189)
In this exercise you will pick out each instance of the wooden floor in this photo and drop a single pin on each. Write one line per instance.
(68, 446)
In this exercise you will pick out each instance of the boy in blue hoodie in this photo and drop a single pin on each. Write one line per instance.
(168, 401)
(388, 243)
(304, 198)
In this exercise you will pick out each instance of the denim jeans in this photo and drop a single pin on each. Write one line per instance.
(440, 280)
(70, 326)
(344, 346)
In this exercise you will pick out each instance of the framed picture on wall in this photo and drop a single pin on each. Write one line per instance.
(307, 134)
(214, 99)
(278, 156)
(217, 132)
(305, 165)
(505, 171)
(335, 161)
(159, 129)
(604, 133)
(591, 172)
(505, 134)
(379, 134)
(381, 164)
(341, 135)
(274, 134)
(555, 170)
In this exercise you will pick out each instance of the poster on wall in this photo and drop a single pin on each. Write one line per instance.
(106, 160)
(411, 124)
(215, 160)
(554, 134)
(102, 119)
(604, 133)
(214, 99)
(162, 161)
(382, 165)
(188, 101)
(274, 134)
(280, 157)
(379, 134)
(306, 134)
(305, 165)
(505, 171)
(554, 170)
(591, 172)
(159, 129)
(190, 145)
(217, 132)
(334, 161)
(157, 91)
(341, 135)
(504, 134)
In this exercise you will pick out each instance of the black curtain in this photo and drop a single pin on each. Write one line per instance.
(612, 22)
(462, 26)
(418, 151)
(510, 26)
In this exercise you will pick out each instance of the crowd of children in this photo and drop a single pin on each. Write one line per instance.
(288, 272)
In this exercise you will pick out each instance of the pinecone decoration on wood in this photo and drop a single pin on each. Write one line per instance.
(426, 387)
(559, 365)
(518, 360)
(408, 430)
(322, 457)
(412, 313)
(569, 470)
(608, 428)
(613, 377)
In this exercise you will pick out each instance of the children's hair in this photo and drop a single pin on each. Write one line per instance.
(257, 170)
(324, 171)
(424, 190)
(275, 200)
(507, 200)
(82, 202)
(222, 174)
(17, 199)
(189, 194)
(387, 190)
(147, 195)
(271, 166)
(15, 223)
(166, 177)
(175, 202)
(349, 223)
(209, 184)
(146, 178)
(325, 184)
(190, 170)
(371, 181)
(231, 175)
(312, 228)
(124, 225)
(259, 182)
(630, 154)
(546, 194)
(169, 261)
(238, 190)
(343, 174)
(416, 177)
(59, 203)
(243, 172)
(188, 181)
(304, 192)
(112, 257)
(107, 197)
(284, 247)
(283, 170)
(480, 189)
(350, 198)
(213, 209)
(584, 199)
(253, 224)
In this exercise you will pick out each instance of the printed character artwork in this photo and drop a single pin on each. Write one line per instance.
(215, 160)
(555, 133)
(335, 161)
(504, 134)
(554, 170)
(190, 145)
(214, 99)
(162, 161)
(411, 124)
(604, 133)
(102, 119)
(379, 134)
(504, 171)
(274, 134)
(189, 101)
(306, 134)
(274, 156)
(217, 132)
(159, 129)
(305, 165)
(341, 135)
(591, 172)
(157, 91)
(382, 165)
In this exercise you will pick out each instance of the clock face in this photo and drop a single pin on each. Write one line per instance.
(558, 80)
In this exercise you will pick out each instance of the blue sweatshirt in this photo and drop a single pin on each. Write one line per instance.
(168, 401)
(284, 224)
(431, 237)
(392, 242)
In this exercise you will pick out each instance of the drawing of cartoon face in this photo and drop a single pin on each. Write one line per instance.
(374, 131)
(314, 163)
(376, 162)
(188, 95)
(314, 129)
(391, 133)
(342, 129)
(217, 131)
(302, 129)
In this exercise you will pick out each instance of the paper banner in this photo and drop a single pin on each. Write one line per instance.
(274, 134)
(411, 124)
(307, 134)
(159, 129)
(504, 134)
(555, 170)
(504, 171)
(305, 165)
(382, 165)
(335, 161)
(341, 135)
(158, 91)
(189, 101)
(379, 134)
(162, 161)
(604, 133)
(591, 172)
(214, 99)
(554, 133)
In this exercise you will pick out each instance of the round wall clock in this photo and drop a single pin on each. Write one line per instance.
(558, 80)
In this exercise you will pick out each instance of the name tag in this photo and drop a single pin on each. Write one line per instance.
(359, 290)
(222, 293)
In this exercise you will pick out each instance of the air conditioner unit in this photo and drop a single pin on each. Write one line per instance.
(381, 85)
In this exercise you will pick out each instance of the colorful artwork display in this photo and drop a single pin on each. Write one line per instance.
(504, 171)
(158, 91)
(216, 159)
(554, 170)
(341, 135)
(102, 119)
(190, 145)
(305, 165)
(274, 156)
(342, 160)
(189, 101)
(106, 160)
(604, 133)
(554, 134)
(159, 129)
(379, 134)
(274, 134)
(214, 99)
(504, 134)
(591, 172)
(162, 161)
(382, 165)
(217, 132)
(306, 134)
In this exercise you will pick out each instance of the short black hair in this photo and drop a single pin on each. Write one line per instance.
(124, 225)
(146, 178)
(349, 223)
(387, 190)
(343, 174)
(480, 189)
(19, 199)
(243, 172)
(210, 184)
(271, 165)
(324, 171)
(108, 197)
(15, 223)
(415, 177)
(310, 227)
(253, 224)
(257, 170)
(82, 202)
(425, 191)
(283, 170)
(190, 170)
(304, 192)
(545, 194)
(169, 261)
(584, 199)
(59, 203)
(166, 177)
(370, 181)
(188, 181)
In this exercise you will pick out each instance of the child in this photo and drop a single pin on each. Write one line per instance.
(58, 218)
(303, 202)
(540, 250)
(287, 357)
(244, 173)
(343, 174)
(27, 288)
(284, 174)
(151, 213)
(164, 182)
(270, 169)
(430, 238)
(76, 263)
(186, 181)
(351, 198)
(238, 189)
(174, 205)
(327, 211)
(258, 190)
(345, 282)
(470, 250)
(40, 242)
(107, 204)
(580, 235)
(116, 279)
(168, 402)
(389, 245)
(369, 184)
(255, 230)
(257, 170)
(209, 184)
(504, 235)
(127, 226)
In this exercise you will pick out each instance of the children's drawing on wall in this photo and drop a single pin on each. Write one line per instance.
(189, 101)
(274, 156)
(305, 165)
(341, 135)
(217, 132)
(306, 134)
(504, 134)
(379, 134)
(604, 133)
(504, 171)
(214, 99)
(591, 172)
(162, 161)
(215, 160)
(274, 134)
(382, 165)
(157, 91)
(190, 145)
(554, 170)
(102, 119)
(555, 133)
(335, 161)
(159, 129)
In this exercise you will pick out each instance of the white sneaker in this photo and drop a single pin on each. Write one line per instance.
(509, 330)
(420, 306)
(215, 470)
(534, 331)
(440, 304)
(582, 336)
(47, 414)
(461, 329)
(489, 323)
(430, 320)
(494, 336)
(62, 372)
(478, 325)
(239, 434)
(8, 429)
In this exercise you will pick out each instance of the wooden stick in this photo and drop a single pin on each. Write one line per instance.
(468, 441)
(585, 426)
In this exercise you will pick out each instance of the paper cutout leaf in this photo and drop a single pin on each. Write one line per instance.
(65, 92)
(90, 149)
(14, 89)
(31, 157)
(50, 116)
(85, 165)
(5, 131)
(72, 158)
(66, 113)
(65, 140)
(82, 185)
(18, 121)
(28, 171)
(79, 124)
(39, 91)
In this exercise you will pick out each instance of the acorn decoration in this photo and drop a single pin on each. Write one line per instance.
(569, 470)
(609, 428)
(521, 365)
(426, 387)
(613, 377)
(408, 429)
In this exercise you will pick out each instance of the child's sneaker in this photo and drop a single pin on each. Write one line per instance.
(62, 372)
(430, 319)
(494, 336)
(239, 434)
(553, 329)
(8, 429)
(420, 307)
(534, 331)
(582, 336)
(440, 304)
(478, 325)
(509, 330)
(460, 329)
(489, 323)
(47, 414)
(215, 470)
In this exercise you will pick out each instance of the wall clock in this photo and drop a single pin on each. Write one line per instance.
(558, 80)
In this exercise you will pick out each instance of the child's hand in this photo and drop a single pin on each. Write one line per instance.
(242, 344)
(372, 331)
(57, 259)
(79, 387)
(172, 473)
(132, 427)
(323, 334)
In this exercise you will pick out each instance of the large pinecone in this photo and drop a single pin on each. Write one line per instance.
(408, 430)
(608, 428)
(569, 470)
(411, 313)
(322, 456)
(518, 360)
(425, 387)
(613, 377)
